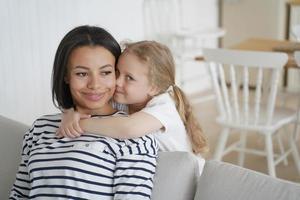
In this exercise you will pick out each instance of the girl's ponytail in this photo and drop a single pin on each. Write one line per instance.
(194, 131)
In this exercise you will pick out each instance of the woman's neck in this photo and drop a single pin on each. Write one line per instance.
(106, 110)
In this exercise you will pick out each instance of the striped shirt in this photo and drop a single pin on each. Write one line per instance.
(87, 167)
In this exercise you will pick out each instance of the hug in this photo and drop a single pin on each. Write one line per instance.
(118, 110)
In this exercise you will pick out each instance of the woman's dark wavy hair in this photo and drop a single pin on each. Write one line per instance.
(77, 37)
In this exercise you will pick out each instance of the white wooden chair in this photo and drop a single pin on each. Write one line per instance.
(242, 111)
(297, 127)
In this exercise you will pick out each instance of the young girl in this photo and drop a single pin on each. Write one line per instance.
(146, 83)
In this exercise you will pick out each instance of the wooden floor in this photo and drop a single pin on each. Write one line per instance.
(206, 113)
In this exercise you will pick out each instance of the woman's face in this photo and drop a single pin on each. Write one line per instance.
(91, 78)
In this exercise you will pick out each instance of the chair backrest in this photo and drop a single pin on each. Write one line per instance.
(230, 69)
(296, 31)
(297, 57)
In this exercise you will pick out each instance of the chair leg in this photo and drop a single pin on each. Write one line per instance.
(295, 154)
(297, 124)
(243, 140)
(293, 140)
(221, 144)
(297, 129)
(270, 155)
(298, 133)
(281, 148)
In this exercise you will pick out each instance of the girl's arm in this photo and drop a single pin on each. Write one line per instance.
(69, 126)
(135, 125)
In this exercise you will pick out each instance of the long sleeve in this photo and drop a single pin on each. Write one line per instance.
(135, 169)
(21, 187)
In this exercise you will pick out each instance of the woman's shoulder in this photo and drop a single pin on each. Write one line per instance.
(50, 118)
(43, 124)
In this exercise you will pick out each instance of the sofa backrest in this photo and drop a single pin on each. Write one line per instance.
(11, 134)
(225, 181)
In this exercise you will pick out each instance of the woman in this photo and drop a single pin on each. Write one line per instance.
(90, 166)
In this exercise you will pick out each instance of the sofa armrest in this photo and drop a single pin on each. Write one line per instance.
(225, 181)
(11, 133)
(176, 176)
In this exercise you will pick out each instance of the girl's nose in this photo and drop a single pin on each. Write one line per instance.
(119, 81)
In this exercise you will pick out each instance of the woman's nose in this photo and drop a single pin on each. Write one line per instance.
(93, 83)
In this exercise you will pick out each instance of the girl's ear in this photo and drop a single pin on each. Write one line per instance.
(153, 91)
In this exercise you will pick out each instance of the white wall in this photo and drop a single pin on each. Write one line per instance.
(252, 18)
(204, 15)
(30, 33)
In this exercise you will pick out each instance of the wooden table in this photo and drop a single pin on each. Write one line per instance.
(260, 44)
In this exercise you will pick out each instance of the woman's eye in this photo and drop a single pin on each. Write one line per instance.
(105, 73)
(81, 74)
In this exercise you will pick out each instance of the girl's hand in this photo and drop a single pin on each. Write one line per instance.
(69, 126)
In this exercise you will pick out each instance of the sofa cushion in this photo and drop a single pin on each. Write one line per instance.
(225, 181)
(11, 133)
(176, 176)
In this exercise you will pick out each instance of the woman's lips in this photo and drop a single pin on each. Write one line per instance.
(93, 97)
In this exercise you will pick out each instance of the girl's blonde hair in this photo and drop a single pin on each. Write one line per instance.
(161, 75)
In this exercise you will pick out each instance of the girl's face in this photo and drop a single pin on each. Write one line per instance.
(133, 87)
(91, 78)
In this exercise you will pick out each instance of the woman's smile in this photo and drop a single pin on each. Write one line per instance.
(93, 96)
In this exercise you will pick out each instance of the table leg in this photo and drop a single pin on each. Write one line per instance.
(287, 36)
(285, 77)
(287, 21)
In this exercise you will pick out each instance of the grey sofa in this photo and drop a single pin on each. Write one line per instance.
(176, 177)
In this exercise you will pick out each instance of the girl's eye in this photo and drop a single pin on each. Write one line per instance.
(81, 74)
(129, 78)
(105, 73)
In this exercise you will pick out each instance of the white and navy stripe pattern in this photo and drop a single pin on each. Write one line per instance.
(88, 167)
